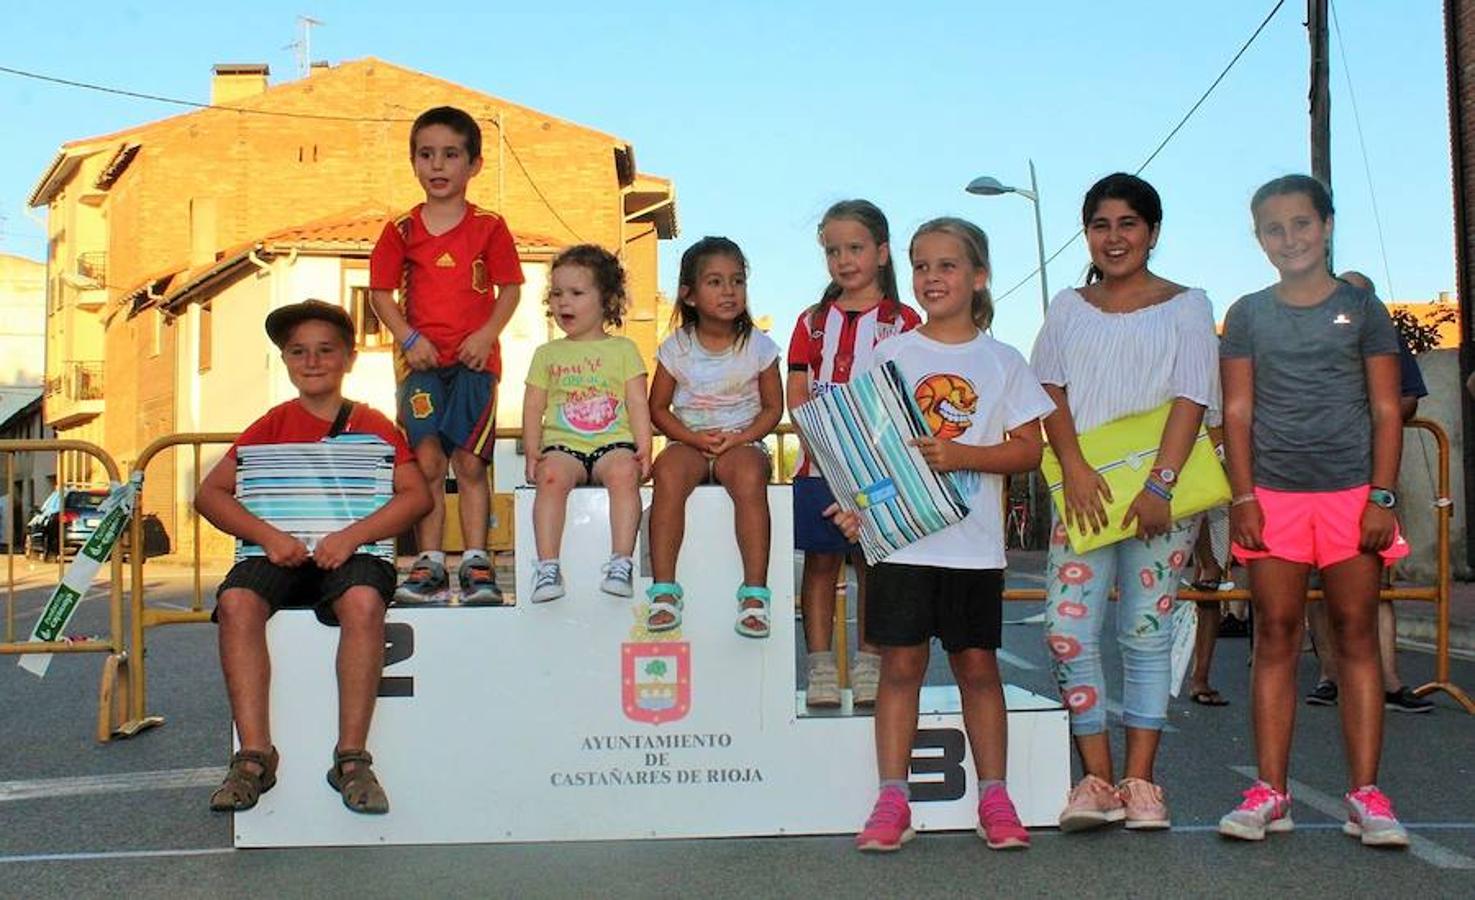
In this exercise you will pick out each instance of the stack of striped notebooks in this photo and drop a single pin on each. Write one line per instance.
(859, 434)
(313, 490)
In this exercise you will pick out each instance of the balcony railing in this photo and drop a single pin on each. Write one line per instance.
(93, 266)
(77, 381)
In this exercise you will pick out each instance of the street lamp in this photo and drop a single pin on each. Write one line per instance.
(986, 186)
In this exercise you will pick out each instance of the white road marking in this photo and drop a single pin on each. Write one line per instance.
(114, 854)
(1425, 849)
(161, 780)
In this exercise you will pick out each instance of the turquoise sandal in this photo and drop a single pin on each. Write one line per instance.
(657, 594)
(756, 614)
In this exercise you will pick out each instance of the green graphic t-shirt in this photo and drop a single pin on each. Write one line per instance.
(585, 381)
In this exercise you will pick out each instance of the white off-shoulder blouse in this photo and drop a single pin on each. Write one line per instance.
(1117, 364)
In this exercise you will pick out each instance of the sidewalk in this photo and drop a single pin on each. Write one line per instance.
(1416, 619)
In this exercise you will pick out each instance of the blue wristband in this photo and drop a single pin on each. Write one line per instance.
(1157, 490)
(410, 341)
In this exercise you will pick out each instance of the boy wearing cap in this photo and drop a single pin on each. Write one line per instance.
(345, 587)
(459, 276)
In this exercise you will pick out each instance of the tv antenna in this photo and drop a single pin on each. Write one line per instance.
(303, 45)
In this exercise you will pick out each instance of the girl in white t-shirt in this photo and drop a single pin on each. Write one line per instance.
(983, 406)
(715, 395)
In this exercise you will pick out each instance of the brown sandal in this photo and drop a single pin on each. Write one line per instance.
(358, 785)
(243, 786)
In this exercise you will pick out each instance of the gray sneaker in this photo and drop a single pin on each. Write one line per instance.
(822, 684)
(547, 582)
(426, 582)
(478, 583)
(865, 676)
(619, 575)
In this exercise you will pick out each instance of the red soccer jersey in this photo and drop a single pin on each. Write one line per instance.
(843, 345)
(291, 423)
(447, 279)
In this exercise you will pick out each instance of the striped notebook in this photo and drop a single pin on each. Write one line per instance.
(312, 490)
(858, 434)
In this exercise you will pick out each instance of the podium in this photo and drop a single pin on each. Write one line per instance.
(567, 721)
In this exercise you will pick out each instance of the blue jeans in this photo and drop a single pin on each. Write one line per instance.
(1077, 590)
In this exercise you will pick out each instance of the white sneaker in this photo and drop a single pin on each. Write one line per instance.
(822, 686)
(547, 582)
(619, 575)
(865, 677)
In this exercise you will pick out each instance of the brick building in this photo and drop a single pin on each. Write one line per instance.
(147, 223)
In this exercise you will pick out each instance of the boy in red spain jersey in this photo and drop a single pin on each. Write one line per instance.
(456, 268)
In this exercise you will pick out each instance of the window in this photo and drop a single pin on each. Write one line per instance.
(370, 332)
(207, 338)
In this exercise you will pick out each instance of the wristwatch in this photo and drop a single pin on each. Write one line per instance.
(1382, 497)
(1167, 476)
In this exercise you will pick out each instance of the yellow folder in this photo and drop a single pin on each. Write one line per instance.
(1123, 452)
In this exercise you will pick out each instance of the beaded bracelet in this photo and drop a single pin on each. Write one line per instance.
(410, 341)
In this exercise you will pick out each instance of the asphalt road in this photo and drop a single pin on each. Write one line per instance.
(130, 818)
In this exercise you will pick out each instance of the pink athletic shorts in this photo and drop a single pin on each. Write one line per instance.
(1321, 528)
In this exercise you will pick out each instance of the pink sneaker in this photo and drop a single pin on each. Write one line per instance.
(1092, 803)
(1146, 810)
(1263, 811)
(998, 823)
(889, 826)
(1370, 817)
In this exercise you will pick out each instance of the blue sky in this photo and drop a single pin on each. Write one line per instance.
(764, 113)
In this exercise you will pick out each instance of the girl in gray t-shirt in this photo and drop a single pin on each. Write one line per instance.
(1313, 435)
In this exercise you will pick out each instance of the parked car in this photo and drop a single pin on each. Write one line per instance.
(79, 518)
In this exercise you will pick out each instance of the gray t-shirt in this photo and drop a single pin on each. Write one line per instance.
(1312, 427)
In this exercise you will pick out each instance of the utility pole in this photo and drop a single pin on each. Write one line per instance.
(1321, 98)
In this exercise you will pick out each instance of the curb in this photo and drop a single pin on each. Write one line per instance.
(1422, 628)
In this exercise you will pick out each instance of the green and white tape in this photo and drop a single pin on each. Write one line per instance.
(116, 512)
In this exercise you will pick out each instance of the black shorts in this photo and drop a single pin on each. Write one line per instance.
(908, 605)
(589, 458)
(307, 586)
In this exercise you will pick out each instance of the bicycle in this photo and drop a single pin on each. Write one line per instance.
(1018, 526)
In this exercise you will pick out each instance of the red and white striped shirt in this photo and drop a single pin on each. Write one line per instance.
(842, 344)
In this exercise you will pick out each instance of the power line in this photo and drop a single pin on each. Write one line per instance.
(537, 190)
(194, 104)
(328, 117)
(1171, 134)
(1362, 144)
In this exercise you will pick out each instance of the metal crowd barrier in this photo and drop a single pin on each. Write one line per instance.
(1438, 593)
(143, 617)
(113, 694)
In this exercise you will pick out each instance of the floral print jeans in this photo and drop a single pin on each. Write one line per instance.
(1077, 590)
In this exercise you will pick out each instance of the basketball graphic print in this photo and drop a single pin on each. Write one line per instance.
(948, 403)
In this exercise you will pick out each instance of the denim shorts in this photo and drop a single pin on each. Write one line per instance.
(813, 532)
